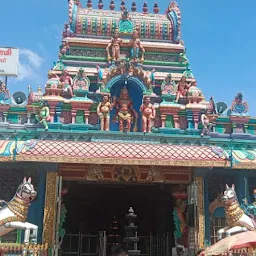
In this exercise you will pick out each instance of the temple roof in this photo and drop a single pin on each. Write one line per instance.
(93, 22)
(112, 153)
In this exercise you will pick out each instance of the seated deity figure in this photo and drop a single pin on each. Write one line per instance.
(114, 45)
(182, 88)
(168, 86)
(148, 115)
(136, 47)
(67, 82)
(103, 111)
(125, 113)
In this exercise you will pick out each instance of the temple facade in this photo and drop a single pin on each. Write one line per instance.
(122, 108)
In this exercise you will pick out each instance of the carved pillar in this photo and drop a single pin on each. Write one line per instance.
(196, 119)
(190, 119)
(52, 113)
(50, 208)
(73, 114)
(58, 113)
(5, 117)
(163, 119)
(200, 210)
(28, 118)
(86, 116)
(176, 121)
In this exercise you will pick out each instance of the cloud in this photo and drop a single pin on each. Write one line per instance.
(32, 58)
(30, 64)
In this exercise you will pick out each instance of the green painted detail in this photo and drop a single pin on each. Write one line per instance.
(13, 118)
(152, 29)
(17, 109)
(252, 121)
(93, 107)
(63, 216)
(169, 123)
(18, 238)
(104, 26)
(94, 25)
(80, 117)
(125, 26)
(251, 129)
(87, 48)
(66, 107)
(84, 25)
(82, 58)
(220, 128)
(183, 113)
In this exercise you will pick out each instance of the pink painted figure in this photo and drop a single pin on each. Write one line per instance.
(148, 115)
(182, 88)
(64, 48)
(103, 111)
(125, 111)
(67, 82)
(137, 47)
(114, 45)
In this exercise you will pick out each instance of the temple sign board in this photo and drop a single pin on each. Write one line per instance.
(9, 58)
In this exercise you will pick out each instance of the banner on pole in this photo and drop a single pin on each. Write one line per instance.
(9, 58)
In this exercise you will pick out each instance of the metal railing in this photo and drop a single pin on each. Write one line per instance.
(96, 245)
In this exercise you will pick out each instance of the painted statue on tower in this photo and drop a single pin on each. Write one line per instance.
(136, 47)
(148, 115)
(103, 111)
(114, 46)
(125, 113)
(43, 116)
(66, 82)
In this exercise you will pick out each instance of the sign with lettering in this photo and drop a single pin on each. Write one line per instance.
(9, 58)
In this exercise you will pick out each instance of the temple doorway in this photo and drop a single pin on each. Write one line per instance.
(96, 217)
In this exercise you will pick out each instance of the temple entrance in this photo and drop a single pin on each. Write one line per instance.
(96, 218)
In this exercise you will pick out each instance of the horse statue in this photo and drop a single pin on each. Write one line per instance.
(237, 220)
(14, 214)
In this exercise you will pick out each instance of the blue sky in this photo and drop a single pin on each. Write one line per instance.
(219, 36)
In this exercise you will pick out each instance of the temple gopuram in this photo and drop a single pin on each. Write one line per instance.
(121, 123)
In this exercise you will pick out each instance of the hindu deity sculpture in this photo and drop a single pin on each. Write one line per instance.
(67, 82)
(125, 113)
(136, 47)
(103, 111)
(168, 88)
(179, 216)
(64, 49)
(206, 125)
(239, 107)
(114, 45)
(81, 83)
(148, 115)
(182, 88)
(44, 115)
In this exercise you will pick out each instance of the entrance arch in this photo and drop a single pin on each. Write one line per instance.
(120, 78)
(136, 90)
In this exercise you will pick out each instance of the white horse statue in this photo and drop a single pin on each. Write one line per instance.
(237, 220)
(14, 214)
